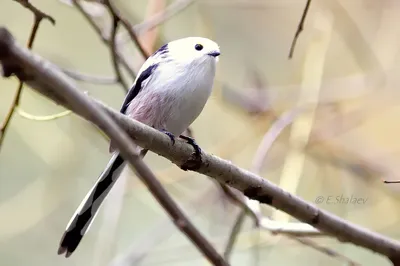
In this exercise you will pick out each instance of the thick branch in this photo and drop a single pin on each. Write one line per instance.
(49, 81)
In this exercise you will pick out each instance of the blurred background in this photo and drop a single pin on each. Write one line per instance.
(322, 125)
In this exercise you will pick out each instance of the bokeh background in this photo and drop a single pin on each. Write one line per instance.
(344, 142)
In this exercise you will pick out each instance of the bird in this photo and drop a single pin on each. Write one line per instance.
(168, 94)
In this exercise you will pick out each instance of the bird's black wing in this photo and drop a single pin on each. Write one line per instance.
(137, 87)
(161, 53)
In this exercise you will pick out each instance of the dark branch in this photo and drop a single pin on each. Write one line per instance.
(113, 49)
(299, 28)
(105, 40)
(127, 26)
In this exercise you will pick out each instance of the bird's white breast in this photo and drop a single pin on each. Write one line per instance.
(185, 94)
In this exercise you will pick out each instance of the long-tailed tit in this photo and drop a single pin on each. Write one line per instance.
(170, 91)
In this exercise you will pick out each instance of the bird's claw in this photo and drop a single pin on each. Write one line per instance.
(195, 161)
(170, 135)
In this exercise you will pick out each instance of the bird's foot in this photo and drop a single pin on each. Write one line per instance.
(170, 135)
(194, 162)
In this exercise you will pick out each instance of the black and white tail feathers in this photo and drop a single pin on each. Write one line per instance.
(88, 209)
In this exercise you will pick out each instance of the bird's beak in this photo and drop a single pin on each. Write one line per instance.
(214, 54)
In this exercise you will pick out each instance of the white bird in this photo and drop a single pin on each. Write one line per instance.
(169, 93)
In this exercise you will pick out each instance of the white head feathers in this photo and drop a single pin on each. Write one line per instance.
(193, 48)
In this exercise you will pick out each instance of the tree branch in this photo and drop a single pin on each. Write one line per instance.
(105, 39)
(52, 83)
(116, 16)
(299, 28)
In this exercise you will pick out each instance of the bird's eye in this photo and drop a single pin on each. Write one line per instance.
(198, 47)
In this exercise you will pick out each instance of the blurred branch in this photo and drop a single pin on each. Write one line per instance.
(233, 235)
(52, 83)
(106, 40)
(325, 250)
(255, 99)
(113, 47)
(271, 135)
(117, 18)
(149, 38)
(296, 231)
(26, 115)
(159, 233)
(38, 17)
(89, 78)
(152, 22)
(299, 28)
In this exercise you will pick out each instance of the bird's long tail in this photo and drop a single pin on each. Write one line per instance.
(88, 209)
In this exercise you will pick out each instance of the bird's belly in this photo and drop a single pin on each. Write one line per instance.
(183, 112)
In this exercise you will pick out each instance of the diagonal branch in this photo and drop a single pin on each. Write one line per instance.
(49, 81)
(299, 28)
(36, 12)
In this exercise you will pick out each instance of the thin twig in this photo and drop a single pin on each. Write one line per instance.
(42, 118)
(113, 50)
(299, 28)
(271, 135)
(37, 12)
(52, 83)
(325, 250)
(89, 78)
(170, 11)
(38, 17)
(127, 26)
(105, 39)
(234, 233)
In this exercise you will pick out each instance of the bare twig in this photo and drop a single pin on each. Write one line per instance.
(38, 17)
(37, 12)
(152, 22)
(117, 17)
(234, 233)
(276, 129)
(391, 181)
(325, 250)
(113, 50)
(299, 28)
(52, 83)
(89, 78)
(67, 94)
(105, 39)
(29, 116)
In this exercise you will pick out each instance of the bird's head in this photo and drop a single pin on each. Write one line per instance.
(194, 50)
